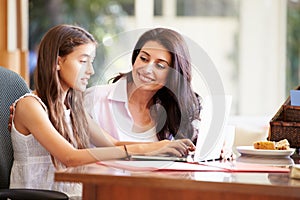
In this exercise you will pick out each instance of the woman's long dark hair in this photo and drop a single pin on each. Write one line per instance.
(177, 99)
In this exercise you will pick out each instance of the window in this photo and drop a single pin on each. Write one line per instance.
(293, 45)
(206, 8)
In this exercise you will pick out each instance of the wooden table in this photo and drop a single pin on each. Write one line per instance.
(101, 182)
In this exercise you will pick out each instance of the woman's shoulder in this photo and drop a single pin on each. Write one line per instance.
(100, 88)
(99, 91)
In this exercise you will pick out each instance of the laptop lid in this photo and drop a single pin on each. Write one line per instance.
(209, 143)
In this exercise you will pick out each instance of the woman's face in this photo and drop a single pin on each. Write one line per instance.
(151, 67)
(76, 68)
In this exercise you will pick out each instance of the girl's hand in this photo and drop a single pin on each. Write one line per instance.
(179, 148)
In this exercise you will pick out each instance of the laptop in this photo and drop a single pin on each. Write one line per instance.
(210, 142)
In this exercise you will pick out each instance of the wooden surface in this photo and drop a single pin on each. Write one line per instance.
(100, 182)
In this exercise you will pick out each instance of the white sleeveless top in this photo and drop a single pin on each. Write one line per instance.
(32, 166)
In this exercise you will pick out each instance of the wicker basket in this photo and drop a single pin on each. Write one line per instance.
(290, 113)
(286, 124)
(285, 130)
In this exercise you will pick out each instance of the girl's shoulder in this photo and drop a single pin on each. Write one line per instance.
(30, 98)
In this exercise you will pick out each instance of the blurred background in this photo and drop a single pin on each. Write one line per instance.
(254, 44)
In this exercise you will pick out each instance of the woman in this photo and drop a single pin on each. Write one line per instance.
(50, 128)
(155, 100)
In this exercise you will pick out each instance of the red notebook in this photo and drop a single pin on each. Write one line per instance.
(200, 167)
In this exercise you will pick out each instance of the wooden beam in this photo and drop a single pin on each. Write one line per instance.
(14, 36)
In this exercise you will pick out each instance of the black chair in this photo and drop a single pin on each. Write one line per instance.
(12, 86)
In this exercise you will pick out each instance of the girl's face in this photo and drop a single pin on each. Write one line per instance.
(151, 67)
(76, 68)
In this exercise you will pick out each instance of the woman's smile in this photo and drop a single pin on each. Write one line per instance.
(145, 78)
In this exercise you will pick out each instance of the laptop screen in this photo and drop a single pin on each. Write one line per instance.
(209, 144)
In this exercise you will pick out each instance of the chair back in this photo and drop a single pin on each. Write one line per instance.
(12, 86)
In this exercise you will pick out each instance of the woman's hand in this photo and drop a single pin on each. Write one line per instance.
(11, 111)
(179, 148)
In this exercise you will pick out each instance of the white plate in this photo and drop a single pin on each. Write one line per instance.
(249, 150)
(266, 160)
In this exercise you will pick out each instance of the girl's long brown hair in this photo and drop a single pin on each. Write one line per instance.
(61, 41)
(182, 105)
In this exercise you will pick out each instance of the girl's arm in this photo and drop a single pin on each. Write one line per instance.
(31, 118)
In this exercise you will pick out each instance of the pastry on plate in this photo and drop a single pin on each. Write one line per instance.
(272, 145)
(282, 145)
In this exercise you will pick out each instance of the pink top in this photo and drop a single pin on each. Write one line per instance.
(108, 106)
